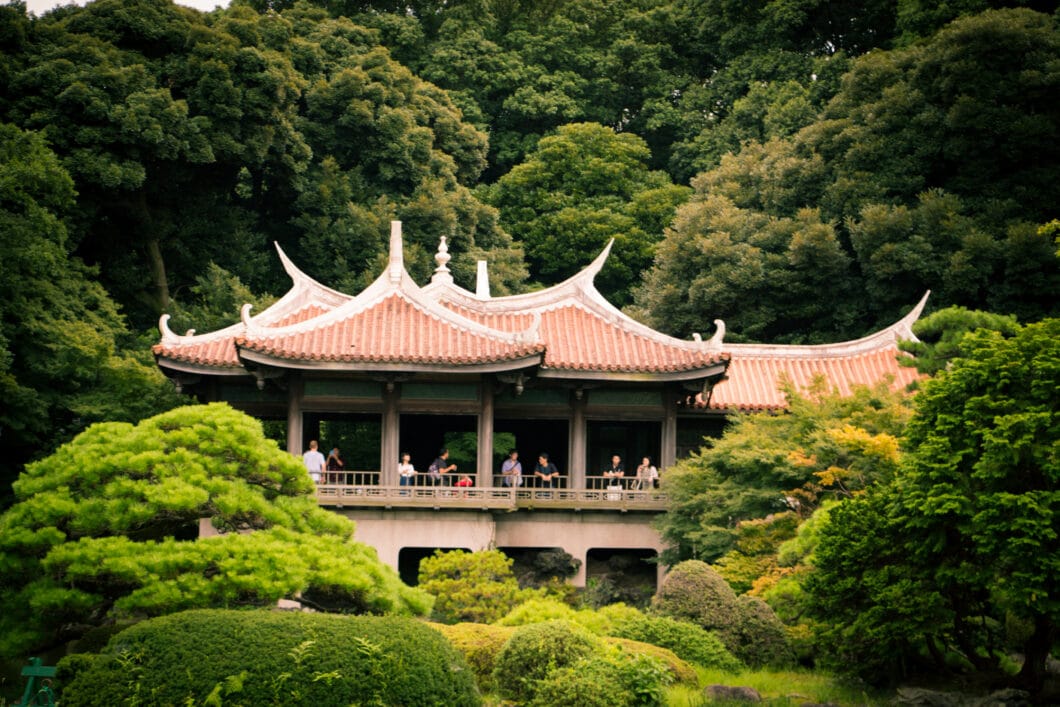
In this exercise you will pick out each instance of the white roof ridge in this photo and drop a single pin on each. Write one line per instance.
(578, 290)
(299, 278)
(395, 279)
(579, 281)
(170, 338)
(884, 338)
(304, 292)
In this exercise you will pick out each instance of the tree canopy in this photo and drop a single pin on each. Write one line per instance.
(914, 176)
(61, 363)
(107, 527)
(577, 190)
(824, 446)
(963, 541)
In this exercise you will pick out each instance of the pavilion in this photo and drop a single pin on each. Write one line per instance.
(403, 367)
(560, 368)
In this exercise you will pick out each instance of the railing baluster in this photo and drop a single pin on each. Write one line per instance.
(362, 488)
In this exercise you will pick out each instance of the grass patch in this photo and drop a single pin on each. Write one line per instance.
(779, 687)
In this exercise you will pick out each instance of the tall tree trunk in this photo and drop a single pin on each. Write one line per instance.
(158, 273)
(1035, 652)
(154, 255)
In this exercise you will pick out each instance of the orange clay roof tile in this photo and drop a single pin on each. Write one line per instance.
(578, 339)
(393, 330)
(753, 381)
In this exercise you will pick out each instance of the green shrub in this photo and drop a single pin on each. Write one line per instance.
(689, 641)
(475, 587)
(536, 611)
(617, 613)
(480, 645)
(679, 670)
(693, 591)
(741, 570)
(612, 679)
(260, 657)
(535, 650)
(598, 621)
(762, 637)
(588, 683)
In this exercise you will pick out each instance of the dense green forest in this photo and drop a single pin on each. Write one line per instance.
(802, 169)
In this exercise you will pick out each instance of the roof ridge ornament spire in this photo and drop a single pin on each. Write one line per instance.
(249, 326)
(593, 269)
(714, 342)
(397, 255)
(442, 257)
(169, 337)
(482, 282)
(904, 326)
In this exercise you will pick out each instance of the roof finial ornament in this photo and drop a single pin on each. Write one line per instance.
(903, 328)
(714, 343)
(719, 335)
(168, 337)
(397, 258)
(248, 322)
(482, 284)
(442, 257)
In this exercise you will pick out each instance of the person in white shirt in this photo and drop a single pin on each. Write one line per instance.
(314, 462)
(647, 474)
(406, 470)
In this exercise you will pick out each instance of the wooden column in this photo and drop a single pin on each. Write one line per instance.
(577, 447)
(388, 452)
(668, 444)
(295, 390)
(485, 434)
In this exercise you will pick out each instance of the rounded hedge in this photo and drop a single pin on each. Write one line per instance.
(589, 683)
(689, 641)
(613, 678)
(480, 645)
(535, 650)
(261, 657)
(763, 639)
(679, 670)
(536, 611)
(694, 591)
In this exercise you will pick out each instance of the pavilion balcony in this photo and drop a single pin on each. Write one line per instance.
(361, 489)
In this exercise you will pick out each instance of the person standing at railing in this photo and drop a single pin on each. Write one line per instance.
(334, 465)
(512, 470)
(406, 471)
(464, 483)
(647, 475)
(314, 462)
(617, 470)
(546, 471)
(439, 467)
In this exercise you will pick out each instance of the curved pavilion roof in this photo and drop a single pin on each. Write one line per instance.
(568, 331)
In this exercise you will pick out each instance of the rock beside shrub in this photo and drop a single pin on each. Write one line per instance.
(730, 693)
